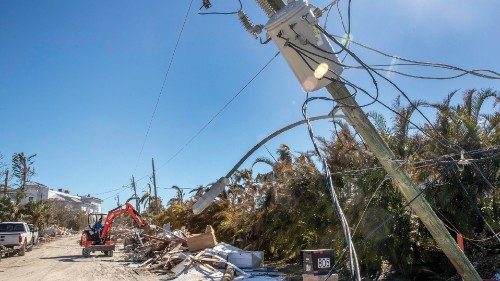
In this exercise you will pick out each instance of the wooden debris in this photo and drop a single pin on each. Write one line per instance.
(178, 254)
(146, 262)
(228, 274)
(202, 241)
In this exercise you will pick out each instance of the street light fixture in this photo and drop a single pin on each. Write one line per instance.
(208, 197)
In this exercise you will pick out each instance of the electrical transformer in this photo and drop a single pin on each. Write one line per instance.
(306, 49)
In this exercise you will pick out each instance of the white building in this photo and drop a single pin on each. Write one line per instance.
(91, 204)
(35, 191)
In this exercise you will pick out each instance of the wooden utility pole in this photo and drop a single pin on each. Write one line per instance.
(6, 181)
(137, 206)
(358, 119)
(410, 191)
(154, 188)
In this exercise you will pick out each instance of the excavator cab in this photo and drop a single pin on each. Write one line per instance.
(93, 241)
(91, 220)
(94, 217)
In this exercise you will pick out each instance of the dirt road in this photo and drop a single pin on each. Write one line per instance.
(61, 260)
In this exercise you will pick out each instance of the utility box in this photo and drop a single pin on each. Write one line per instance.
(317, 262)
(305, 48)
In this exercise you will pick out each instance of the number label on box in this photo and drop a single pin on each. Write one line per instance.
(324, 263)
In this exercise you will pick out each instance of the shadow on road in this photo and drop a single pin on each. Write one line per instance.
(72, 258)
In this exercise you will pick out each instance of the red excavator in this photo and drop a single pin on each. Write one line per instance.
(93, 241)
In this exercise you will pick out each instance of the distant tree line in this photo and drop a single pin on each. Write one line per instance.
(40, 213)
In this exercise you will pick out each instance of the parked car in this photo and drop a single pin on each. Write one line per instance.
(16, 236)
(34, 233)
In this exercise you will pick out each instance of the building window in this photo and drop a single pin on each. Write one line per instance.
(30, 199)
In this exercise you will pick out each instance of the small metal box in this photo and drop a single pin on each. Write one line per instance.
(317, 262)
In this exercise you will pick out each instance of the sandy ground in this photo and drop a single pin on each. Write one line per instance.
(61, 260)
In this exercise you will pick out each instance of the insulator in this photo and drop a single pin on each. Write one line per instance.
(248, 25)
(206, 4)
(266, 7)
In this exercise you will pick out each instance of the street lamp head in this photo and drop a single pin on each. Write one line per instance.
(209, 196)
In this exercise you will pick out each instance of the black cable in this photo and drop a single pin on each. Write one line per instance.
(220, 111)
(449, 145)
(395, 86)
(216, 115)
(295, 47)
(327, 15)
(114, 195)
(455, 178)
(349, 20)
(377, 66)
(104, 192)
(272, 156)
(380, 75)
(386, 220)
(343, 80)
(338, 209)
(341, 19)
(223, 13)
(163, 84)
(430, 64)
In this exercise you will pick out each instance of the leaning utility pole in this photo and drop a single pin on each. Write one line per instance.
(155, 205)
(358, 119)
(6, 182)
(137, 205)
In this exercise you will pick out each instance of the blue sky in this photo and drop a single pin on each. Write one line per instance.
(79, 80)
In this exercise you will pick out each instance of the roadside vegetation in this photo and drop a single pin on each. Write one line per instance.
(40, 213)
(288, 208)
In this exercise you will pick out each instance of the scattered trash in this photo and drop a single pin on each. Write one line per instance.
(239, 257)
(183, 256)
(53, 231)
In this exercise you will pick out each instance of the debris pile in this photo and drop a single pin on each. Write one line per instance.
(53, 231)
(184, 256)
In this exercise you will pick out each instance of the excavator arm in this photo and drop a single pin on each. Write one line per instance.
(108, 224)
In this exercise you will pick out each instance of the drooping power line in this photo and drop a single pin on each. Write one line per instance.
(153, 114)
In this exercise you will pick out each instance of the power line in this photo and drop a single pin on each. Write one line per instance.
(114, 195)
(214, 116)
(412, 104)
(112, 190)
(219, 112)
(223, 13)
(473, 204)
(387, 219)
(272, 156)
(443, 141)
(355, 272)
(163, 84)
